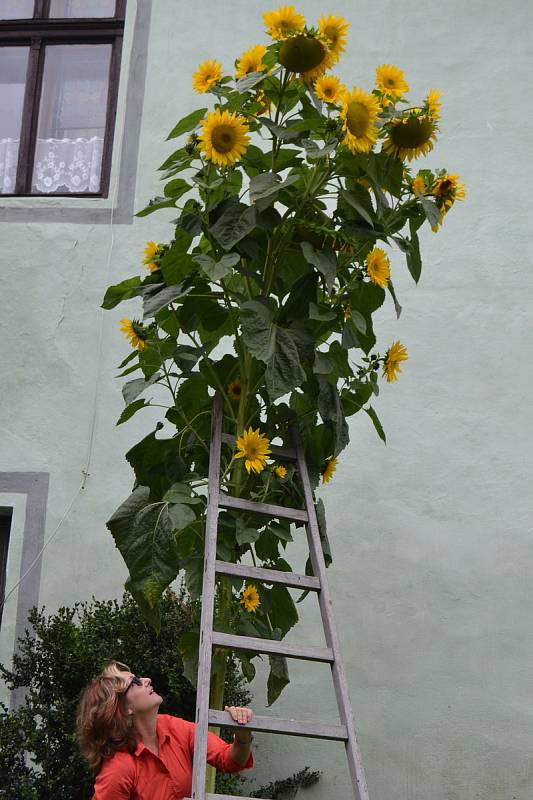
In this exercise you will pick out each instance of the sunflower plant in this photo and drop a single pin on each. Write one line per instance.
(296, 201)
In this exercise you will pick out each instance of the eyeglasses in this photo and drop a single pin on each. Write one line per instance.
(135, 680)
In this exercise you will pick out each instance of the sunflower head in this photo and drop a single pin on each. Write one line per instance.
(393, 357)
(208, 73)
(418, 184)
(250, 598)
(307, 53)
(283, 22)
(411, 136)
(433, 103)
(151, 254)
(378, 267)
(446, 190)
(251, 61)
(329, 89)
(254, 448)
(329, 469)
(390, 82)
(224, 137)
(235, 390)
(358, 114)
(335, 29)
(134, 332)
(280, 471)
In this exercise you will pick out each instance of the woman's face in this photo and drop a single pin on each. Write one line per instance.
(140, 695)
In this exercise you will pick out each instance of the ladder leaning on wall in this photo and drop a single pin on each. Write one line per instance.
(345, 732)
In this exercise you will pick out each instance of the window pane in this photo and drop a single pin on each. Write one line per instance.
(82, 8)
(16, 9)
(72, 118)
(13, 64)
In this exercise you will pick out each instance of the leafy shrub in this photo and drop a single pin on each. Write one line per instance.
(39, 757)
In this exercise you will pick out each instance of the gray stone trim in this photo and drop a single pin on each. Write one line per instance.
(35, 486)
(123, 212)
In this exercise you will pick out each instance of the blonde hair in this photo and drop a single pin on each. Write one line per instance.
(102, 724)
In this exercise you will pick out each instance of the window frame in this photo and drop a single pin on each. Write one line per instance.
(36, 33)
(6, 521)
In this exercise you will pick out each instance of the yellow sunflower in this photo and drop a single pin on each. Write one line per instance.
(411, 136)
(378, 267)
(150, 255)
(251, 61)
(433, 102)
(391, 82)
(280, 472)
(283, 22)
(250, 598)
(224, 137)
(335, 29)
(329, 469)
(208, 73)
(134, 333)
(253, 447)
(393, 357)
(359, 112)
(418, 185)
(306, 53)
(446, 191)
(329, 89)
(235, 389)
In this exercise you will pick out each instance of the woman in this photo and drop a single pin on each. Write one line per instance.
(140, 754)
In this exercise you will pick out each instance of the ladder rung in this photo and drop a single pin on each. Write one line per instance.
(229, 501)
(281, 452)
(273, 647)
(290, 727)
(268, 575)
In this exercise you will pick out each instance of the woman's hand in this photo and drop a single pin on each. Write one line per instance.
(240, 714)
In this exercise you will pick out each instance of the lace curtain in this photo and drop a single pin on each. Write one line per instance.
(64, 165)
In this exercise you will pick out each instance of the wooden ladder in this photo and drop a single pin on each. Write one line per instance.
(205, 716)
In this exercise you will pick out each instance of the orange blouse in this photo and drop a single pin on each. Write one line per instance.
(144, 776)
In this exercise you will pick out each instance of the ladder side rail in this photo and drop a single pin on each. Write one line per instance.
(353, 752)
(208, 602)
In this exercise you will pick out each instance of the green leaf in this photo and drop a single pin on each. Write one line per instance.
(130, 410)
(161, 297)
(397, 306)
(180, 515)
(215, 270)
(324, 260)
(313, 151)
(189, 649)
(350, 198)
(180, 493)
(187, 123)
(377, 424)
(176, 188)
(121, 291)
(283, 532)
(277, 679)
(244, 534)
(414, 261)
(249, 80)
(133, 389)
(155, 204)
(321, 313)
(236, 221)
(431, 210)
(331, 411)
(264, 188)
(143, 532)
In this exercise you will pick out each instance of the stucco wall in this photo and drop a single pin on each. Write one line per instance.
(432, 534)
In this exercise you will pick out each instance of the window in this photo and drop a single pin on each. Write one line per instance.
(59, 68)
(6, 515)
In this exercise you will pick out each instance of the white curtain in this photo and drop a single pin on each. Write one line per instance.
(65, 165)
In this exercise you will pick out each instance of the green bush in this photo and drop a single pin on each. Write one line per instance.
(39, 758)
